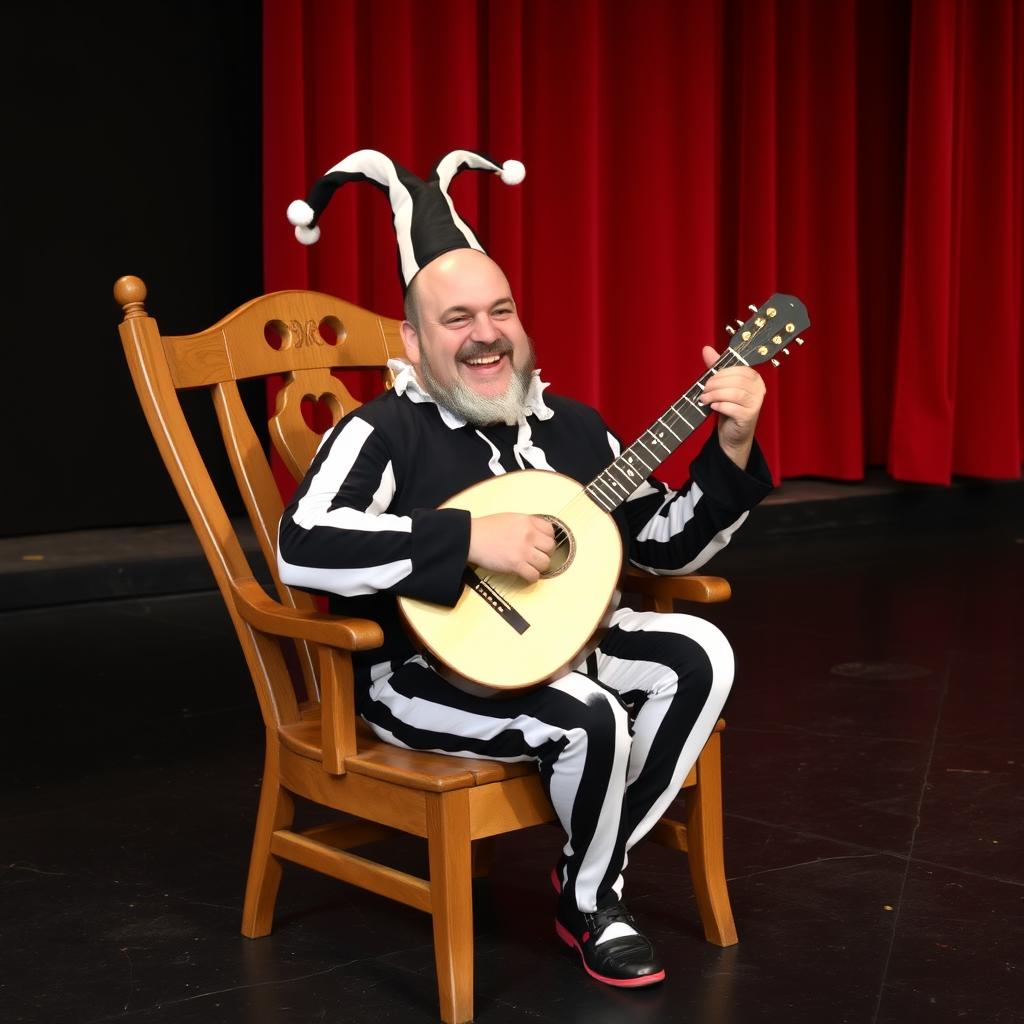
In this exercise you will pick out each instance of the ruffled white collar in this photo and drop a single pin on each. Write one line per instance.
(407, 384)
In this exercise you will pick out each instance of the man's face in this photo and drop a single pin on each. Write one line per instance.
(470, 350)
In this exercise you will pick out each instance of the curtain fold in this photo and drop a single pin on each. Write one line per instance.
(957, 397)
(685, 159)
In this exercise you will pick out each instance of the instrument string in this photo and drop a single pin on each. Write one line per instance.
(514, 583)
(510, 584)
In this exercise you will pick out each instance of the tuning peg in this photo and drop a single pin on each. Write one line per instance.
(775, 362)
(730, 329)
(740, 322)
(785, 351)
(799, 341)
(753, 309)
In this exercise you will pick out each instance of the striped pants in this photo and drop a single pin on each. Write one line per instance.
(614, 739)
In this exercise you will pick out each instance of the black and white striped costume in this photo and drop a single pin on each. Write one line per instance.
(615, 738)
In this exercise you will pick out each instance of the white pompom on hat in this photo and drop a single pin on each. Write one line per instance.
(512, 172)
(426, 222)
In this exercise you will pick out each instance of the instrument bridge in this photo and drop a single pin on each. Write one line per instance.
(495, 600)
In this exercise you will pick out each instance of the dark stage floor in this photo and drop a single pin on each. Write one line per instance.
(874, 810)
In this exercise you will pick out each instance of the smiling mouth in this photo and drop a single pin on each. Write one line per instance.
(478, 355)
(488, 360)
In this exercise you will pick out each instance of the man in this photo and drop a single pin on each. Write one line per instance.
(615, 737)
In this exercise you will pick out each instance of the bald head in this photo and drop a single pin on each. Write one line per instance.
(449, 272)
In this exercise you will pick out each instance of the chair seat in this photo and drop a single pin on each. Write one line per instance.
(412, 768)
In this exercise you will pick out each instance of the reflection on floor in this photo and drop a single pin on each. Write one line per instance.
(874, 813)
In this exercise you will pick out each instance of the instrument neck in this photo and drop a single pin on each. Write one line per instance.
(615, 484)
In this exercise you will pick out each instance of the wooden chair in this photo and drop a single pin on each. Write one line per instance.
(315, 747)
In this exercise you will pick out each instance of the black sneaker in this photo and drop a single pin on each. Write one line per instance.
(624, 957)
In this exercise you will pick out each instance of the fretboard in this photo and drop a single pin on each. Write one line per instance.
(613, 485)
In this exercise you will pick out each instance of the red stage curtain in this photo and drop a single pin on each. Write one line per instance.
(685, 159)
(957, 397)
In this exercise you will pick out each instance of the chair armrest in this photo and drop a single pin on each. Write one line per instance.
(270, 616)
(335, 635)
(705, 589)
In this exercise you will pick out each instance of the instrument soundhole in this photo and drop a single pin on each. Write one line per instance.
(564, 551)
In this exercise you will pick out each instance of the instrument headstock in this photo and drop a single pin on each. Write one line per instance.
(770, 328)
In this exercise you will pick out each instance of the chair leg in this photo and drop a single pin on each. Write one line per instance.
(482, 856)
(451, 902)
(276, 810)
(704, 839)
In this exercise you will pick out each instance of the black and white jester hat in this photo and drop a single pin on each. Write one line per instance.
(426, 223)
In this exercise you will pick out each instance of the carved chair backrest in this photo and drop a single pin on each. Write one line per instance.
(308, 341)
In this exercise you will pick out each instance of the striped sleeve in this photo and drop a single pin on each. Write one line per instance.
(337, 536)
(675, 532)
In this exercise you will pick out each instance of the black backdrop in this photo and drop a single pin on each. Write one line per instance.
(133, 147)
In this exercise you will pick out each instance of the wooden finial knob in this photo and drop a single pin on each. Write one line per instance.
(130, 294)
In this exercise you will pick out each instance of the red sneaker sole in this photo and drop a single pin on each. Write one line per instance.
(569, 939)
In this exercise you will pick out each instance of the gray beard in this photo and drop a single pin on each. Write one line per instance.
(481, 410)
